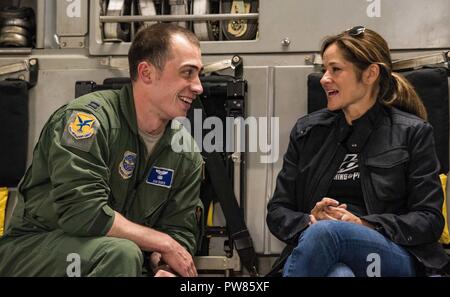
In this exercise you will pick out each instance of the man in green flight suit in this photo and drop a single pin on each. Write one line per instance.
(105, 184)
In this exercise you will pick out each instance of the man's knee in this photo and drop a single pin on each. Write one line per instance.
(121, 257)
(126, 250)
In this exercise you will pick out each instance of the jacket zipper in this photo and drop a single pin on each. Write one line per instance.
(364, 189)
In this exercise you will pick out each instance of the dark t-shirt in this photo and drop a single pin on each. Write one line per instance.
(346, 184)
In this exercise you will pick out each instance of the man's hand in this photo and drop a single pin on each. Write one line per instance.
(179, 259)
(164, 273)
(148, 239)
(159, 269)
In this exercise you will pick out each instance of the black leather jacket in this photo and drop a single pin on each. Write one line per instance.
(399, 178)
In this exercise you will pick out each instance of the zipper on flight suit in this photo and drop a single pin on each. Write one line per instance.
(144, 169)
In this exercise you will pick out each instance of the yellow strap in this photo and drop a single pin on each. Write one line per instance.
(3, 199)
(209, 219)
(445, 237)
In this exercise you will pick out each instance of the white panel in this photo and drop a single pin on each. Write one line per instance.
(51, 92)
(256, 173)
(279, 92)
(290, 104)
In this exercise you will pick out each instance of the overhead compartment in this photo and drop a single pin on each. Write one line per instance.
(267, 26)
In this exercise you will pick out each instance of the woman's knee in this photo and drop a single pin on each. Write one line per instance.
(321, 230)
(340, 270)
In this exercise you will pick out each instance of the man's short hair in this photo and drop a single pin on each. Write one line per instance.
(154, 44)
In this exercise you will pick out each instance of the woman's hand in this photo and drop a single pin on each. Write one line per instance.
(343, 214)
(321, 210)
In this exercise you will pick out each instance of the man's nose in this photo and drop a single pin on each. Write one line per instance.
(196, 86)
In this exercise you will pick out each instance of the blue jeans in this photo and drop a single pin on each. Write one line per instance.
(336, 248)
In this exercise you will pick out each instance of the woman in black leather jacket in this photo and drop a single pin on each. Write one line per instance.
(359, 192)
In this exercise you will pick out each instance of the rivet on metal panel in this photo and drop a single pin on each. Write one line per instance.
(104, 61)
(81, 44)
(63, 44)
(286, 42)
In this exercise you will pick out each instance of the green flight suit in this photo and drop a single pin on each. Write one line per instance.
(89, 161)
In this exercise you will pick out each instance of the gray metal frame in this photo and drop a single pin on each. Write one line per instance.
(298, 26)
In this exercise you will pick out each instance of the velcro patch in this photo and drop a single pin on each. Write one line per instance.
(162, 177)
(81, 125)
(80, 131)
(127, 165)
(94, 105)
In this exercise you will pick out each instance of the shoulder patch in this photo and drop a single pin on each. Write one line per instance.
(82, 125)
(80, 131)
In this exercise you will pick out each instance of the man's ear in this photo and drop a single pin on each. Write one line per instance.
(146, 72)
(371, 74)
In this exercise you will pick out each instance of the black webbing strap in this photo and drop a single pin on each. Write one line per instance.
(233, 213)
(231, 210)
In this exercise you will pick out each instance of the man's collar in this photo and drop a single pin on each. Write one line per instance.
(127, 107)
(129, 110)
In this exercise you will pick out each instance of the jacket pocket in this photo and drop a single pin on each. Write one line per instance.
(387, 172)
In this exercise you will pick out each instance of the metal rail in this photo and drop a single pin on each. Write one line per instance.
(175, 18)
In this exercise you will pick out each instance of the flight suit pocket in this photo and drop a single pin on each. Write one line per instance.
(387, 172)
(148, 203)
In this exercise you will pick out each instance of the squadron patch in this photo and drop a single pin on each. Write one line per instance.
(160, 177)
(127, 165)
(82, 125)
(80, 131)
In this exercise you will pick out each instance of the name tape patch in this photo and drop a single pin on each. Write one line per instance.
(161, 177)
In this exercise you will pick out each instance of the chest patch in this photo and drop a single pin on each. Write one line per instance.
(162, 177)
(127, 165)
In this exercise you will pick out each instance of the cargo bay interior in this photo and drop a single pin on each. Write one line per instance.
(278, 44)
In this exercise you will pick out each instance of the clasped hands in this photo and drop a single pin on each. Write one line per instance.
(330, 209)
